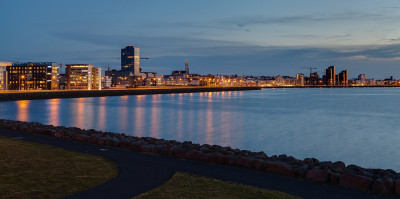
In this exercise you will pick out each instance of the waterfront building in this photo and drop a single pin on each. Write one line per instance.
(130, 60)
(343, 78)
(314, 79)
(79, 76)
(300, 78)
(330, 76)
(3, 74)
(96, 78)
(32, 76)
(106, 81)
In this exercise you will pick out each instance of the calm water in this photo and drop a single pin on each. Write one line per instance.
(355, 125)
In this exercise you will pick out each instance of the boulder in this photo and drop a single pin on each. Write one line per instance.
(355, 181)
(397, 187)
(245, 162)
(379, 186)
(281, 168)
(318, 175)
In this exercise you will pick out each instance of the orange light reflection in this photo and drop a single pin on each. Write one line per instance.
(23, 106)
(54, 117)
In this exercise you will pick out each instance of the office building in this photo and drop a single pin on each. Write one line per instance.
(96, 78)
(3, 74)
(343, 78)
(130, 60)
(330, 76)
(300, 79)
(79, 76)
(33, 76)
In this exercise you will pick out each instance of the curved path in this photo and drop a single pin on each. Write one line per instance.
(139, 173)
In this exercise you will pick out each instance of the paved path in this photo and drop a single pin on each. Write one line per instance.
(140, 173)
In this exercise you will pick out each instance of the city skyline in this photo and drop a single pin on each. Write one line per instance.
(252, 38)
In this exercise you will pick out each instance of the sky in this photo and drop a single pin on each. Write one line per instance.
(251, 37)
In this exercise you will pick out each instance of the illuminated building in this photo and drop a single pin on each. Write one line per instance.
(79, 76)
(33, 76)
(330, 75)
(343, 78)
(96, 79)
(3, 74)
(130, 60)
(300, 78)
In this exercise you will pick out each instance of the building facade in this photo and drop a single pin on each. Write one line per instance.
(96, 78)
(343, 78)
(130, 60)
(32, 76)
(79, 76)
(3, 74)
(330, 76)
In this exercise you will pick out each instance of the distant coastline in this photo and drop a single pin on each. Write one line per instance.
(32, 95)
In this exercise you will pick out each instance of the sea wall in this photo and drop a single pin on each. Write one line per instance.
(351, 176)
(26, 95)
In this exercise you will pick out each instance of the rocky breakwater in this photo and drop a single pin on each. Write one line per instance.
(352, 176)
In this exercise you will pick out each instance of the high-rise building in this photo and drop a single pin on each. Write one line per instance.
(343, 78)
(79, 76)
(330, 76)
(187, 67)
(33, 76)
(3, 74)
(96, 79)
(130, 60)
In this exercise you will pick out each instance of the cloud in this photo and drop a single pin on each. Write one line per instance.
(338, 36)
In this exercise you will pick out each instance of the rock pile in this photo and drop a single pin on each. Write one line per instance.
(352, 176)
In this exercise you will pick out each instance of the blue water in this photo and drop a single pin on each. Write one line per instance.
(355, 125)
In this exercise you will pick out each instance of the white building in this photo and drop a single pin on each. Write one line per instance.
(3, 75)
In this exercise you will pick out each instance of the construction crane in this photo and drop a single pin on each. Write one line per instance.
(108, 67)
(310, 68)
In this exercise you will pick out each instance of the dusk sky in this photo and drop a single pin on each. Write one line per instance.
(218, 37)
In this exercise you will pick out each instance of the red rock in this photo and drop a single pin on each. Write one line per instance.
(335, 178)
(93, 140)
(145, 148)
(179, 152)
(279, 168)
(318, 175)
(355, 181)
(79, 138)
(258, 164)
(100, 141)
(397, 187)
(379, 186)
(245, 162)
(58, 134)
(192, 154)
(226, 159)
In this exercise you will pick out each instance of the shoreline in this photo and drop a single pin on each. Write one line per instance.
(310, 169)
(33, 95)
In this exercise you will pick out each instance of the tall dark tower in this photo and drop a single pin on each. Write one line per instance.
(330, 75)
(130, 60)
(187, 67)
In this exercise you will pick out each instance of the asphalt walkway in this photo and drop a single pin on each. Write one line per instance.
(139, 173)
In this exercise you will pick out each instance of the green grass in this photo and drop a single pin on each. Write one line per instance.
(183, 185)
(29, 170)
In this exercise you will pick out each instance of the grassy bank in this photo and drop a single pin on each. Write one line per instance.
(183, 185)
(29, 170)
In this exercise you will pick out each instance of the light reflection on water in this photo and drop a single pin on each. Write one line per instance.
(354, 125)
